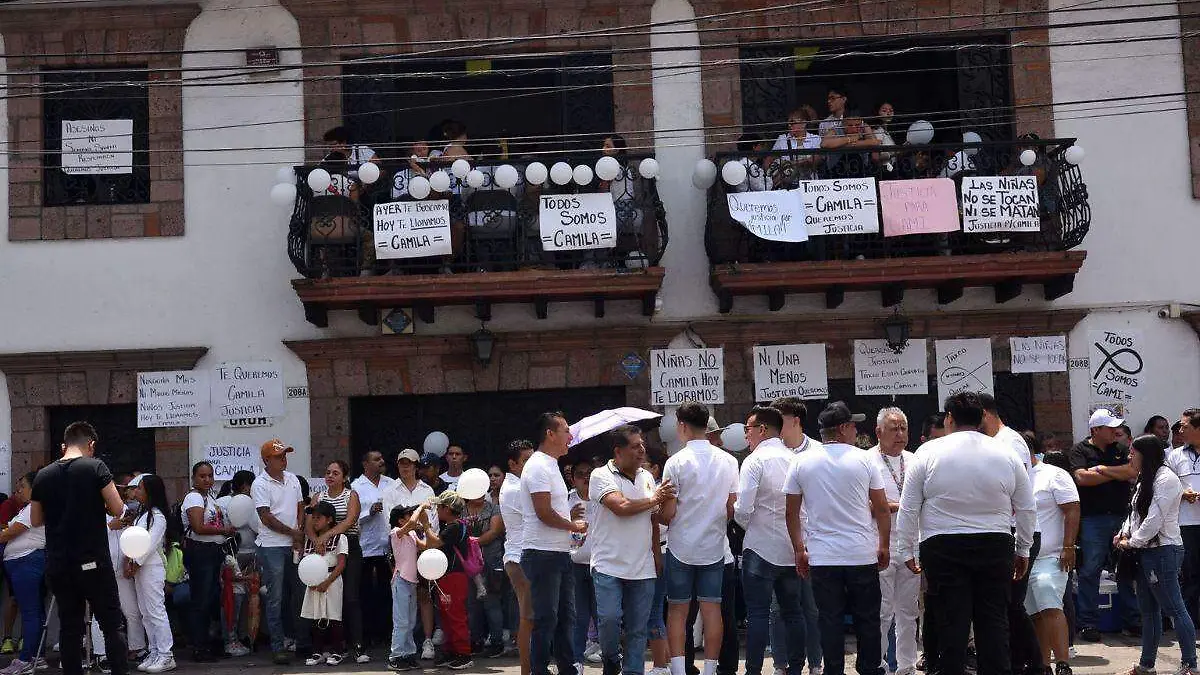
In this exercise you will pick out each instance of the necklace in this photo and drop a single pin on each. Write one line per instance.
(898, 480)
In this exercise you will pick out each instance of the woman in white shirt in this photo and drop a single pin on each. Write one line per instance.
(25, 562)
(1153, 528)
(149, 571)
(203, 555)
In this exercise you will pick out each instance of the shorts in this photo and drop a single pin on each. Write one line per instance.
(685, 582)
(520, 585)
(1047, 584)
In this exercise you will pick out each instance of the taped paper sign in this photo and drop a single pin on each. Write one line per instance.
(177, 398)
(412, 229)
(1116, 365)
(921, 206)
(97, 147)
(790, 370)
(578, 222)
(1000, 204)
(241, 390)
(963, 365)
(227, 460)
(840, 206)
(681, 375)
(776, 215)
(880, 371)
(1041, 354)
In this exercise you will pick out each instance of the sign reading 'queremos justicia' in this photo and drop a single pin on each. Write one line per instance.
(790, 370)
(878, 370)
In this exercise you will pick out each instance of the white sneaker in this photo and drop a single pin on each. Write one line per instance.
(316, 658)
(1071, 653)
(150, 660)
(816, 670)
(438, 637)
(427, 652)
(592, 654)
(660, 670)
(235, 648)
(507, 636)
(578, 669)
(163, 664)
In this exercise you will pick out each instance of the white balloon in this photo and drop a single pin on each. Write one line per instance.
(1074, 154)
(919, 133)
(705, 174)
(418, 187)
(733, 438)
(971, 137)
(312, 569)
(582, 174)
(368, 173)
(698, 182)
(561, 173)
(439, 181)
(666, 427)
(283, 194)
(733, 173)
(432, 564)
(506, 176)
(436, 443)
(475, 178)
(319, 180)
(608, 168)
(285, 174)
(135, 542)
(241, 507)
(460, 168)
(473, 484)
(1028, 157)
(648, 168)
(536, 173)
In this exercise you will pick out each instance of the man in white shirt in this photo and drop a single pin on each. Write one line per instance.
(516, 454)
(456, 459)
(705, 478)
(900, 589)
(406, 490)
(1185, 462)
(376, 580)
(847, 537)
(546, 558)
(625, 552)
(768, 559)
(959, 497)
(280, 506)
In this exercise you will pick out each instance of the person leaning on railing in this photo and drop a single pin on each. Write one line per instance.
(799, 136)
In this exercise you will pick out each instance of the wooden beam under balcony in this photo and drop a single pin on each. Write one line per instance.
(1005, 272)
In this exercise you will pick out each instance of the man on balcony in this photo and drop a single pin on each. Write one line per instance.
(338, 140)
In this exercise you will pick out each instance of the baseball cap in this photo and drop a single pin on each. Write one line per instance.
(275, 448)
(1103, 418)
(409, 454)
(430, 459)
(836, 414)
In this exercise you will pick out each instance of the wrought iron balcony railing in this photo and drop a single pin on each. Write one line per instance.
(493, 229)
(1062, 200)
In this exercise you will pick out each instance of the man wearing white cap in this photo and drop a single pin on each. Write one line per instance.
(1101, 469)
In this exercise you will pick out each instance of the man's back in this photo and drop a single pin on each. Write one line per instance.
(704, 476)
(73, 509)
(835, 481)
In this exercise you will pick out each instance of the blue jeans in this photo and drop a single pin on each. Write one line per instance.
(273, 561)
(26, 573)
(761, 581)
(1095, 542)
(812, 629)
(656, 626)
(623, 602)
(404, 617)
(585, 607)
(553, 602)
(1158, 592)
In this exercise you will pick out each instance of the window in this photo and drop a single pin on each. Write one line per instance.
(96, 137)
(123, 446)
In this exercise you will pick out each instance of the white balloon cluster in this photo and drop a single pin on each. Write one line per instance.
(283, 193)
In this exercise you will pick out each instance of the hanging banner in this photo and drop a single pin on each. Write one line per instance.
(1116, 365)
(176, 398)
(412, 229)
(790, 370)
(879, 371)
(578, 222)
(97, 147)
(777, 215)
(247, 390)
(840, 206)
(1000, 204)
(681, 375)
(1040, 354)
(963, 365)
(227, 460)
(920, 206)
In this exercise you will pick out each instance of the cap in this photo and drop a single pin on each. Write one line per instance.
(1103, 418)
(836, 414)
(451, 500)
(430, 459)
(409, 454)
(136, 480)
(712, 425)
(275, 448)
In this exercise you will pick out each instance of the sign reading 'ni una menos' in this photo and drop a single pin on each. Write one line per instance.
(418, 229)
(577, 222)
(790, 370)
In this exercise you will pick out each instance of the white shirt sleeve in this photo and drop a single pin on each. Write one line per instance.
(1063, 488)
(537, 480)
(158, 530)
(1152, 524)
(747, 493)
(601, 484)
(1024, 507)
(791, 483)
(908, 519)
(781, 143)
(261, 494)
(876, 474)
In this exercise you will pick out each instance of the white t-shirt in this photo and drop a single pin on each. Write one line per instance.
(789, 142)
(451, 481)
(835, 481)
(211, 516)
(1052, 487)
(32, 539)
(705, 477)
(892, 469)
(372, 528)
(541, 474)
(1185, 462)
(620, 546)
(1010, 438)
(281, 499)
(511, 513)
(761, 506)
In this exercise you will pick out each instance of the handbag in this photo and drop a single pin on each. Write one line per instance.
(1127, 564)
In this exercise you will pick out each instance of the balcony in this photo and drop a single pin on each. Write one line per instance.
(744, 264)
(494, 249)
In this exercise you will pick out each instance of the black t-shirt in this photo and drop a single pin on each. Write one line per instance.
(454, 538)
(1111, 498)
(74, 512)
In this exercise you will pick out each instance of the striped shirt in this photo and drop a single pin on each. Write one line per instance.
(341, 507)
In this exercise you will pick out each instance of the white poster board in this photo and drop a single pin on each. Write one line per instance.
(412, 229)
(1000, 204)
(95, 147)
(681, 375)
(577, 222)
(878, 371)
(963, 365)
(253, 389)
(5, 467)
(840, 206)
(776, 215)
(227, 460)
(1039, 354)
(790, 370)
(176, 398)
(1115, 362)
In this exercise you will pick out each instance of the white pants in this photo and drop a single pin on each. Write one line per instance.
(901, 590)
(133, 618)
(151, 599)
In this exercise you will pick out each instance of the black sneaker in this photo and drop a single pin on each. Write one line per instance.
(402, 663)
(493, 652)
(101, 665)
(442, 659)
(460, 663)
(1063, 668)
(1132, 631)
(1090, 635)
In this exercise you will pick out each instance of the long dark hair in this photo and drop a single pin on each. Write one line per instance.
(1154, 453)
(156, 498)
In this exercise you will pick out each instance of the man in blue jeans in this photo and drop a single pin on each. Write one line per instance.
(1101, 469)
(280, 504)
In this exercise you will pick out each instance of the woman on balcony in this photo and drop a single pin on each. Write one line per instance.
(790, 169)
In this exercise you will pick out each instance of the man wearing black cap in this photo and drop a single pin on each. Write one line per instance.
(846, 539)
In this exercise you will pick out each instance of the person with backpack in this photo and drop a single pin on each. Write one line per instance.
(456, 544)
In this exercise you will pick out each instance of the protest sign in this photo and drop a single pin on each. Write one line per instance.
(921, 206)
(227, 460)
(241, 390)
(777, 215)
(418, 229)
(880, 371)
(176, 398)
(840, 206)
(790, 370)
(97, 147)
(963, 365)
(577, 222)
(1116, 363)
(681, 375)
(1000, 204)
(1040, 354)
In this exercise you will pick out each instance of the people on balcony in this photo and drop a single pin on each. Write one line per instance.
(350, 156)
(855, 135)
(751, 146)
(882, 124)
(417, 165)
(835, 100)
(799, 135)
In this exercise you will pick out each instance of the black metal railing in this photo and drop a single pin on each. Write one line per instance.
(1063, 201)
(493, 229)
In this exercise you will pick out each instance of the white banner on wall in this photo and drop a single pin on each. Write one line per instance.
(5, 467)
(230, 459)
(241, 390)
(412, 229)
(1115, 363)
(963, 365)
(681, 375)
(879, 371)
(776, 215)
(790, 370)
(95, 147)
(176, 398)
(1039, 354)
(577, 222)
(1000, 204)
(840, 206)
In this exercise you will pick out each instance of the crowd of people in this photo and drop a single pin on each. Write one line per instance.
(959, 555)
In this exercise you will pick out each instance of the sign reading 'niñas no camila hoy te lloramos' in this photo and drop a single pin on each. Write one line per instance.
(681, 375)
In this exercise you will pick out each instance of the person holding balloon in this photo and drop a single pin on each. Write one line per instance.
(203, 556)
(409, 490)
(453, 541)
(240, 581)
(145, 565)
(346, 509)
(322, 573)
(403, 539)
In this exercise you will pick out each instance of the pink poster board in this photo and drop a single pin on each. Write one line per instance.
(921, 206)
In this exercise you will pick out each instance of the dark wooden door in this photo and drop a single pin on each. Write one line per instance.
(122, 445)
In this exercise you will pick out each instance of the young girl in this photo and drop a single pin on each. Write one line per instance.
(404, 587)
(240, 578)
(149, 572)
(453, 541)
(323, 602)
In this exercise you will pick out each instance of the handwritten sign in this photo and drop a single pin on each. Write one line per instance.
(777, 215)
(227, 460)
(577, 222)
(790, 370)
(880, 371)
(1115, 362)
(1000, 204)
(247, 390)
(94, 147)
(921, 206)
(177, 398)
(681, 375)
(5, 467)
(1042, 354)
(412, 229)
(963, 365)
(840, 206)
